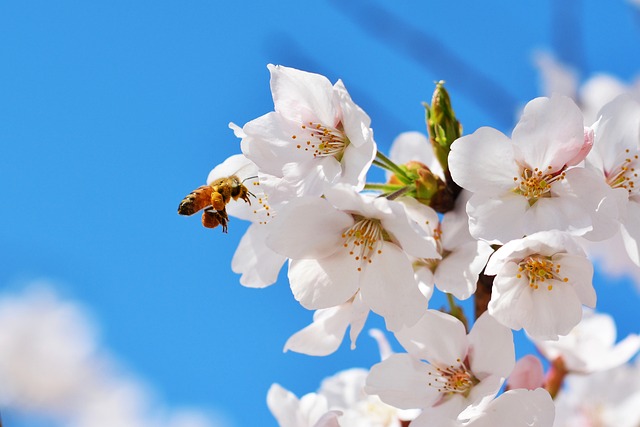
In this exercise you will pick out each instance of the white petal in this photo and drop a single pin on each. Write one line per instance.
(401, 381)
(323, 283)
(414, 146)
(356, 161)
(257, 263)
(324, 335)
(510, 298)
(437, 337)
(579, 270)
(631, 231)
(390, 289)
(497, 220)
(308, 227)
(483, 162)
(355, 121)
(518, 408)
(554, 312)
(237, 164)
(458, 272)
(410, 236)
(269, 143)
(359, 314)
(493, 350)
(302, 96)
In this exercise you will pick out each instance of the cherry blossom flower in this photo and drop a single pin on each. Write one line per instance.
(316, 134)
(311, 410)
(347, 243)
(414, 146)
(445, 369)
(526, 184)
(591, 345)
(345, 393)
(462, 258)
(602, 399)
(541, 283)
(615, 156)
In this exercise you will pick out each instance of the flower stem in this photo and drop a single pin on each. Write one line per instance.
(386, 163)
(555, 377)
(383, 187)
(456, 311)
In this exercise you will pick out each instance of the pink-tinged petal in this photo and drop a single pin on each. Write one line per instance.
(437, 337)
(517, 408)
(302, 96)
(401, 381)
(554, 312)
(528, 374)
(497, 220)
(491, 349)
(324, 335)
(579, 270)
(356, 161)
(586, 147)
(483, 162)
(549, 133)
(458, 272)
(257, 263)
(389, 288)
(296, 222)
(323, 283)
(355, 122)
(359, 314)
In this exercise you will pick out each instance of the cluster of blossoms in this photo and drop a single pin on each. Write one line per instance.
(503, 219)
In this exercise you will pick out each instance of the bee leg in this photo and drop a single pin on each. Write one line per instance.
(217, 201)
(212, 218)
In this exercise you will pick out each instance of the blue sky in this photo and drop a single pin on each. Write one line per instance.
(111, 112)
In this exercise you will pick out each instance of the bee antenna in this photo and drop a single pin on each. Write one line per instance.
(248, 178)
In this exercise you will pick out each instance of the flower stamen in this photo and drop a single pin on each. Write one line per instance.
(453, 379)
(624, 175)
(322, 140)
(364, 240)
(535, 184)
(539, 270)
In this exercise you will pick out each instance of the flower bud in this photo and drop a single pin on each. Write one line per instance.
(428, 188)
(442, 124)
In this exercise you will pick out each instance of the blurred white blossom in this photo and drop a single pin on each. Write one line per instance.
(51, 364)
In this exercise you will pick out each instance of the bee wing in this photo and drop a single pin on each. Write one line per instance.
(237, 165)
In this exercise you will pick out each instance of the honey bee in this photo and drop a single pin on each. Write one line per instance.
(213, 198)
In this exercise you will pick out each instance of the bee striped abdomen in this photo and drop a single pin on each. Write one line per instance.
(197, 200)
